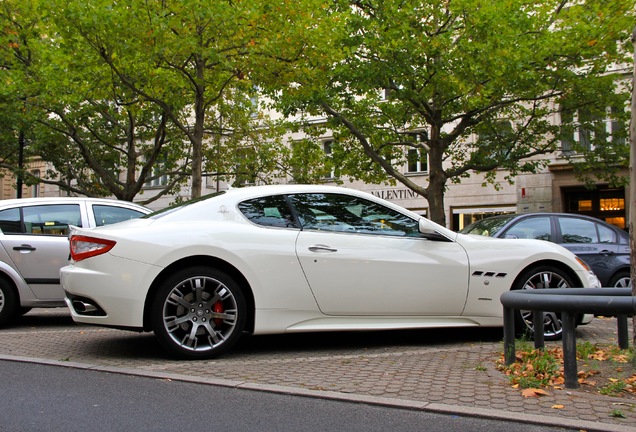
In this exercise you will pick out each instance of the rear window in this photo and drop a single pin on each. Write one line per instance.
(270, 211)
(107, 214)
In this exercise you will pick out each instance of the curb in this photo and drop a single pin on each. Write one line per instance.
(343, 397)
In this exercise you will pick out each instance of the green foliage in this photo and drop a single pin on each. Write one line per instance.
(103, 90)
(613, 388)
(585, 349)
(456, 69)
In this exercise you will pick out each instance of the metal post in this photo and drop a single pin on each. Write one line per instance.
(539, 329)
(623, 336)
(569, 350)
(509, 335)
(20, 176)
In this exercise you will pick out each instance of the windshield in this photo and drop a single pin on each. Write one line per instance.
(489, 226)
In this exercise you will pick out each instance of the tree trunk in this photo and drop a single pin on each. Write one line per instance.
(436, 182)
(632, 185)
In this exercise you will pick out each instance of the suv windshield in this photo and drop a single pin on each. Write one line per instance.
(489, 226)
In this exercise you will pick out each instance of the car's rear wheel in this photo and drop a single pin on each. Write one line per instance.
(542, 277)
(621, 280)
(198, 313)
(8, 302)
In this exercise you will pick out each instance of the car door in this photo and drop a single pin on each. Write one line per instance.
(362, 258)
(38, 244)
(593, 242)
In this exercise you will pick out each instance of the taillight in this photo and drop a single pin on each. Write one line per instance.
(83, 247)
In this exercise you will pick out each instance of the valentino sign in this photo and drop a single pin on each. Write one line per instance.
(395, 194)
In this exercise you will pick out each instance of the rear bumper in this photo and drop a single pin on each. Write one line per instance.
(113, 298)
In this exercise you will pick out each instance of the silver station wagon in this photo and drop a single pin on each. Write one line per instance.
(34, 246)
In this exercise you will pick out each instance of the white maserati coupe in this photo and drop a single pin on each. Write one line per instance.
(299, 258)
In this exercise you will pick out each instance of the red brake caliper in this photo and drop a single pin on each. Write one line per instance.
(218, 308)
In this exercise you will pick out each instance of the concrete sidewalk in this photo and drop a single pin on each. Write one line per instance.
(450, 370)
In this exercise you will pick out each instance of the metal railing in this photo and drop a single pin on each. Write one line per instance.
(569, 302)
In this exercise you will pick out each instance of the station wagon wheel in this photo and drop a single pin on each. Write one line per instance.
(8, 302)
(543, 277)
(198, 313)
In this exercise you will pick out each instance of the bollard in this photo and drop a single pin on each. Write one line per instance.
(623, 336)
(568, 302)
(570, 371)
(509, 336)
(539, 329)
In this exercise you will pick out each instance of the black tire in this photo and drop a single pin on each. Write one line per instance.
(621, 280)
(541, 277)
(8, 303)
(198, 313)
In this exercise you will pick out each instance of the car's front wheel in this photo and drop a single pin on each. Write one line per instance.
(8, 302)
(621, 280)
(198, 313)
(542, 277)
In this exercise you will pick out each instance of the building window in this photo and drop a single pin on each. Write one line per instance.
(417, 157)
(497, 139)
(35, 189)
(327, 147)
(582, 130)
(605, 204)
(246, 167)
(159, 178)
(464, 216)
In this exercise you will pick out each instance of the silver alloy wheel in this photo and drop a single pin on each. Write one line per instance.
(2, 301)
(624, 282)
(551, 320)
(200, 313)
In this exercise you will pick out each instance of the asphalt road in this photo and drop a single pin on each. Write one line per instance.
(35, 397)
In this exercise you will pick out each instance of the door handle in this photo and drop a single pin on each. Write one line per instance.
(24, 247)
(607, 252)
(322, 248)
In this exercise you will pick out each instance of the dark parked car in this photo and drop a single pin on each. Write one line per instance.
(604, 247)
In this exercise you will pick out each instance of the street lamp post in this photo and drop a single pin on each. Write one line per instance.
(19, 179)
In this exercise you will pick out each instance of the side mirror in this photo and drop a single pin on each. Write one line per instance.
(429, 232)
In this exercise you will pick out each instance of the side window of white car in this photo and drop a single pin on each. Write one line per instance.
(269, 211)
(343, 213)
(51, 219)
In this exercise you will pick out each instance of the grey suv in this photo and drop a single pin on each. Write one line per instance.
(34, 246)
(604, 247)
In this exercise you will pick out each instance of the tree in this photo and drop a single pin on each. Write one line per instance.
(480, 81)
(19, 37)
(192, 59)
(73, 113)
(632, 184)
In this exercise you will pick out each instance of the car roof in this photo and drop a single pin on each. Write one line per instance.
(68, 200)
(245, 193)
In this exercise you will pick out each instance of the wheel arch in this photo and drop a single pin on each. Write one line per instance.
(207, 261)
(576, 280)
(4, 277)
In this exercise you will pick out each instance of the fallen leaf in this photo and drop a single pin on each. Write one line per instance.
(558, 406)
(534, 392)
